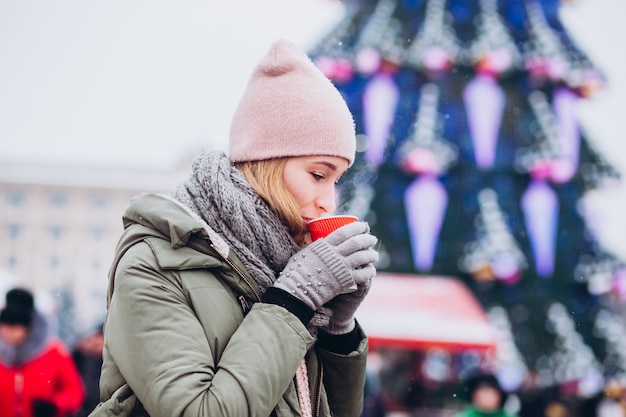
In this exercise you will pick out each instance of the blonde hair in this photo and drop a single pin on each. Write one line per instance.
(266, 178)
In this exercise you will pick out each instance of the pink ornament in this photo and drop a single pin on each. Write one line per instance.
(556, 68)
(343, 70)
(325, 64)
(541, 169)
(562, 170)
(506, 268)
(537, 66)
(437, 59)
(421, 161)
(494, 62)
(368, 61)
(334, 69)
(619, 284)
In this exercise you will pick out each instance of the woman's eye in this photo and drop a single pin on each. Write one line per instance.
(317, 176)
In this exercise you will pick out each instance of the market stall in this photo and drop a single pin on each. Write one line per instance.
(423, 312)
(424, 332)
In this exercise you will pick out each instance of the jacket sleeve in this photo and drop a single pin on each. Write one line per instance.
(70, 392)
(344, 379)
(161, 349)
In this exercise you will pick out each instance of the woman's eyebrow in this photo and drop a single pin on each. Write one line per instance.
(328, 164)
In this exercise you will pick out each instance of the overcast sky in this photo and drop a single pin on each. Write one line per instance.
(135, 81)
(148, 82)
(140, 81)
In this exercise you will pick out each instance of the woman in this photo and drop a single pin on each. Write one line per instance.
(38, 377)
(217, 303)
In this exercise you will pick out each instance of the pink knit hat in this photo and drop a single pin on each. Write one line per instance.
(289, 108)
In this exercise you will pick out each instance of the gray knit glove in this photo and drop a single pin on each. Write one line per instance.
(344, 307)
(336, 264)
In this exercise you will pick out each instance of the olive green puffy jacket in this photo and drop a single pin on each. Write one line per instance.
(186, 335)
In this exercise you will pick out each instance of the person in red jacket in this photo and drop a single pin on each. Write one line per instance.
(37, 374)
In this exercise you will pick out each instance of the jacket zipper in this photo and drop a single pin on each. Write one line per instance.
(240, 273)
(318, 400)
(19, 392)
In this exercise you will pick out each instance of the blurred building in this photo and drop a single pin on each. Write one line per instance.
(60, 225)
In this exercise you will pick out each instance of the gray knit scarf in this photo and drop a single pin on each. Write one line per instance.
(220, 194)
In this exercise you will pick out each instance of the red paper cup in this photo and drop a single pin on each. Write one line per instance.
(323, 226)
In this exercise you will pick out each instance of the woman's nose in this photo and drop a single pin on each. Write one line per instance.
(326, 201)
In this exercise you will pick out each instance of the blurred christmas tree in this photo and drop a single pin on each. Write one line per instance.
(471, 162)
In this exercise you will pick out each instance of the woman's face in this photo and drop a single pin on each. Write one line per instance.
(311, 181)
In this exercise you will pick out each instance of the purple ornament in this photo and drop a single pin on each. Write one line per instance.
(379, 106)
(484, 101)
(541, 212)
(425, 202)
(564, 105)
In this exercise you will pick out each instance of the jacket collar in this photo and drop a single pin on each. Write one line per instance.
(172, 220)
(197, 245)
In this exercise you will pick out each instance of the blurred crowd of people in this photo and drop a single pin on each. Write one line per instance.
(401, 386)
(39, 375)
(49, 379)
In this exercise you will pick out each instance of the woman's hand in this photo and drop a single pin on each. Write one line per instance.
(338, 264)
